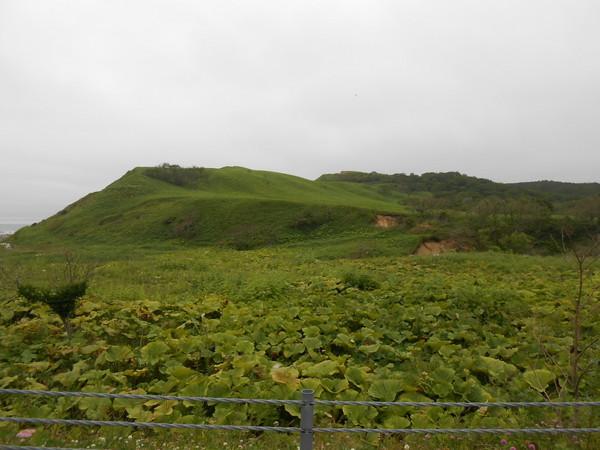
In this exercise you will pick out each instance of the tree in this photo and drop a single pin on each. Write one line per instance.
(584, 255)
(571, 352)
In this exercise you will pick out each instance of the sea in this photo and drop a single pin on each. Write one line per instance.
(10, 228)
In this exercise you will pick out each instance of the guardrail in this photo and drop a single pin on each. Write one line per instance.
(306, 404)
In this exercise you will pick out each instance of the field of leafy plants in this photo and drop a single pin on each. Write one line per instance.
(269, 323)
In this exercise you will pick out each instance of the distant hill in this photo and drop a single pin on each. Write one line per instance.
(559, 191)
(455, 182)
(243, 209)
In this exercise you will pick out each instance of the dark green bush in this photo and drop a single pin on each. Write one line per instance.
(360, 281)
(173, 174)
(309, 221)
(62, 299)
(516, 242)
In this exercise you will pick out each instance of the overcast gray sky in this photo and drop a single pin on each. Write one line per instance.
(507, 90)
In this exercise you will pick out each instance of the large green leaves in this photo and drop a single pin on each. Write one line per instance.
(358, 376)
(386, 390)
(286, 375)
(441, 381)
(153, 352)
(439, 330)
(118, 353)
(494, 368)
(396, 422)
(335, 385)
(539, 379)
(322, 369)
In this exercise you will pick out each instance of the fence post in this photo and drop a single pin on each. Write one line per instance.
(306, 419)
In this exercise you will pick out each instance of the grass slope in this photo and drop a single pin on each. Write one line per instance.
(232, 206)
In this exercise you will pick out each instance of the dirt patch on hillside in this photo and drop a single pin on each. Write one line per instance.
(382, 221)
(423, 227)
(434, 248)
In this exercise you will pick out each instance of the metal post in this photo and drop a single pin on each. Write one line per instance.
(306, 419)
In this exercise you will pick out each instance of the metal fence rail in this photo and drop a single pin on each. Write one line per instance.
(307, 404)
(264, 401)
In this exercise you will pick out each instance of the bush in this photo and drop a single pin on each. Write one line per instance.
(310, 221)
(61, 294)
(361, 281)
(516, 242)
(173, 174)
(62, 300)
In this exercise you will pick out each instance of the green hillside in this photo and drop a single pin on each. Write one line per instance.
(231, 206)
(519, 217)
(242, 208)
(455, 183)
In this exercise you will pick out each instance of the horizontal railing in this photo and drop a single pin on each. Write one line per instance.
(306, 404)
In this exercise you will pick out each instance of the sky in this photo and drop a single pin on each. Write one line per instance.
(507, 90)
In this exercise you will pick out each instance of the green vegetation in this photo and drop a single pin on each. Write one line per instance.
(269, 322)
(61, 296)
(245, 209)
(320, 297)
(62, 299)
(456, 183)
(481, 214)
(234, 207)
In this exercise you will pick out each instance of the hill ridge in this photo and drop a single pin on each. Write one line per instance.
(244, 208)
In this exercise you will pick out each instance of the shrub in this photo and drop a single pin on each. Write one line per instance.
(310, 221)
(516, 242)
(361, 281)
(62, 299)
(173, 174)
(62, 293)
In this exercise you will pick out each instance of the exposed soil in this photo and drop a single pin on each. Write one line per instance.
(434, 248)
(421, 228)
(382, 221)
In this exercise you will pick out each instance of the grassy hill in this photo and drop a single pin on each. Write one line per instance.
(231, 206)
(243, 209)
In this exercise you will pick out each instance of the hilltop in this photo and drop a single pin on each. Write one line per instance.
(243, 209)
